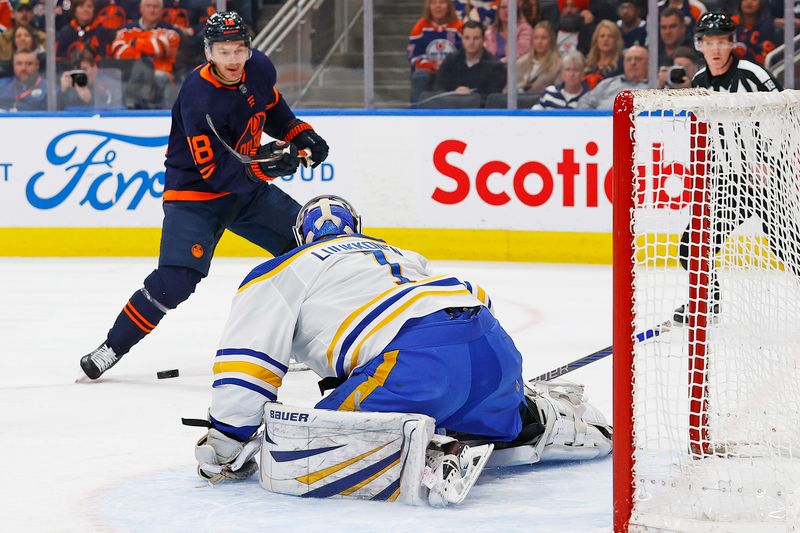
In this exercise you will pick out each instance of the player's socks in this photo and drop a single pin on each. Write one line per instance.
(139, 317)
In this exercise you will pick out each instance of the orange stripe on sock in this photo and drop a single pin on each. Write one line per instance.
(135, 321)
(140, 317)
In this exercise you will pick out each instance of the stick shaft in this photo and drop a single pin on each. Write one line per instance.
(600, 354)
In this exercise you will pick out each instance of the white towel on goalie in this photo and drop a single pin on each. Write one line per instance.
(318, 453)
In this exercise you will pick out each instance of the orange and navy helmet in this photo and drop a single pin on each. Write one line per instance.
(225, 26)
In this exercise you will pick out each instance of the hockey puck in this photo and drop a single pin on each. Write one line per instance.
(164, 374)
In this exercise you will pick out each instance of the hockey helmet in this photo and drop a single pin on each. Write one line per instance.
(714, 24)
(324, 216)
(225, 26)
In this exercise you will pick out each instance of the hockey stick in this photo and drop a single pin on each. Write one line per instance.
(246, 159)
(600, 354)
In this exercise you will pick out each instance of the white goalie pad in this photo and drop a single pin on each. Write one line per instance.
(575, 430)
(319, 453)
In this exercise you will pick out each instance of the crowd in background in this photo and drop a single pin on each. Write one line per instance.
(149, 44)
(576, 54)
(134, 53)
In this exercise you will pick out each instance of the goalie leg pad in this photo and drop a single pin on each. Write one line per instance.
(573, 428)
(364, 455)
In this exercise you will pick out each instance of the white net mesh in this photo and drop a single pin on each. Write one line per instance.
(733, 455)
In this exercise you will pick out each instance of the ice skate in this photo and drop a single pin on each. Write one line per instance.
(98, 361)
(681, 318)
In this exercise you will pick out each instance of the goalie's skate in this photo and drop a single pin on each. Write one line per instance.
(98, 361)
(559, 425)
(680, 317)
(452, 468)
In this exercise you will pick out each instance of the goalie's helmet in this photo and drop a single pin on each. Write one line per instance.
(225, 26)
(714, 24)
(324, 216)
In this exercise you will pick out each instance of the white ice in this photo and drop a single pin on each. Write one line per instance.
(113, 456)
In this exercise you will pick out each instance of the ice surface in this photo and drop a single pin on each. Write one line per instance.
(112, 455)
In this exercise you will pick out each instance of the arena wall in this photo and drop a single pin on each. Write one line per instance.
(504, 185)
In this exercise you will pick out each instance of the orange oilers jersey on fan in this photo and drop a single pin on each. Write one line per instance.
(429, 43)
(159, 43)
(198, 167)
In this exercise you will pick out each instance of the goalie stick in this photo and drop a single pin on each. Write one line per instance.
(246, 159)
(600, 354)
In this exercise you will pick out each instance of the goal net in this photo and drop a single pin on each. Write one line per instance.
(707, 221)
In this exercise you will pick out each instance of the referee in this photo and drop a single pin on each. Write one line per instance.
(724, 71)
(738, 196)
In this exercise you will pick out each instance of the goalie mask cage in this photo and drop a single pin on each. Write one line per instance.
(707, 414)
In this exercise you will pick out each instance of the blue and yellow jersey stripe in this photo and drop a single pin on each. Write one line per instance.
(249, 369)
(378, 313)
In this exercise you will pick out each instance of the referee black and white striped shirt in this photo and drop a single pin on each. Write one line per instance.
(742, 76)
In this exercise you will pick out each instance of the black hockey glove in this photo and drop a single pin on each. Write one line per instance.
(285, 161)
(305, 138)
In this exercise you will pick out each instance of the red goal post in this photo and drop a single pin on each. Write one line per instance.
(706, 417)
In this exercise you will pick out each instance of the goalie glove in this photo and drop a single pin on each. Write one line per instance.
(221, 457)
(284, 163)
(304, 137)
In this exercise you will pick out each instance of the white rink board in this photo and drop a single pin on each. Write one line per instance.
(509, 172)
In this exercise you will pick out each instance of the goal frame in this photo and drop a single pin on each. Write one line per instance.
(623, 299)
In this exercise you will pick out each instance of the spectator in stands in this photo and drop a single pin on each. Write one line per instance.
(691, 10)
(433, 37)
(634, 77)
(631, 24)
(496, 39)
(565, 95)
(22, 37)
(755, 29)
(605, 55)
(672, 32)
(86, 87)
(574, 33)
(483, 11)
(473, 68)
(542, 65)
(152, 38)
(114, 14)
(61, 12)
(22, 13)
(83, 32)
(679, 74)
(26, 90)
(177, 13)
(5, 15)
(776, 8)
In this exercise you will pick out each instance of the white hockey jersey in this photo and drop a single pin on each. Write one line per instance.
(333, 305)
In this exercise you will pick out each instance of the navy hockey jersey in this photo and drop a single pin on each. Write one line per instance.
(198, 167)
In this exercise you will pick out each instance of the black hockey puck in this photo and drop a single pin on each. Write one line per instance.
(164, 374)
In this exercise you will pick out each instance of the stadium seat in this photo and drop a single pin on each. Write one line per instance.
(500, 100)
(434, 100)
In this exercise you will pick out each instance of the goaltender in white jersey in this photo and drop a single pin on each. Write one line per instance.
(406, 351)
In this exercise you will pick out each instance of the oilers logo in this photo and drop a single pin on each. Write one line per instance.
(438, 49)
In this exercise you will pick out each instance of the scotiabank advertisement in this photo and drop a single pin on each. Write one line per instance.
(515, 172)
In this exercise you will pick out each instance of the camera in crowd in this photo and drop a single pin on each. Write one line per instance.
(676, 76)
(79, 78)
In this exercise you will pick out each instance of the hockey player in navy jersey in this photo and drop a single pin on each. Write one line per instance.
(207, 189)
(405, 351)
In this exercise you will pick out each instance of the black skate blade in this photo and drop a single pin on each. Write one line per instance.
(83, 378)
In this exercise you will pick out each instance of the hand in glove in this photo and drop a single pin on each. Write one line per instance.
(221, 457)
(285, 161)
(304, 137)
